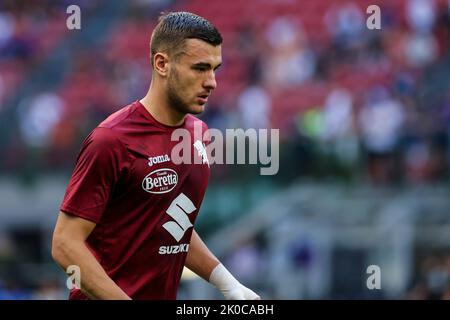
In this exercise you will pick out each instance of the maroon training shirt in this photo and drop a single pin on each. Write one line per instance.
(143, 204)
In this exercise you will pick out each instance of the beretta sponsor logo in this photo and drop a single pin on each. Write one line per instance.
(160, 181)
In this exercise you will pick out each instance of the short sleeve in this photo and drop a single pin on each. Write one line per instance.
(98, 168)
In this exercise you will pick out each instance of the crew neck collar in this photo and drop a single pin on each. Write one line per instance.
(149, 116)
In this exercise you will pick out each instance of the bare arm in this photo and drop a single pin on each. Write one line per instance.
(69, 248)
(205, 264)
(199, 258)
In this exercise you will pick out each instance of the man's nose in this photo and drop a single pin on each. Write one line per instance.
(210, 83)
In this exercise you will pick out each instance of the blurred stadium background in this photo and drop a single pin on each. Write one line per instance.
(364, 119)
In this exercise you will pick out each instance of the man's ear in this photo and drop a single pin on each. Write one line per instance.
(160, 63)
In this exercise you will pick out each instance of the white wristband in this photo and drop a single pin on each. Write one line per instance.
(229, 286)
(222, 278)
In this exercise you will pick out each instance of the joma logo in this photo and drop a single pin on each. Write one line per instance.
(158, 159)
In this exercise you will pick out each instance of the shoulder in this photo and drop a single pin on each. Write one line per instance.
(103, 144)
(104, 135)
(119, 116)
(102, 138)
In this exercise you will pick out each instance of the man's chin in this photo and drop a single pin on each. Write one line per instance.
(197, 109)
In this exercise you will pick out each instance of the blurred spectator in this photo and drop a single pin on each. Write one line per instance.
(420, 49)
(434, 279)
(7, 27)
(254, 106)
(339, 124)
(380, 121)
(38, 117)
(291, 61)
(421, 15)
(346, 24)
(417, 162)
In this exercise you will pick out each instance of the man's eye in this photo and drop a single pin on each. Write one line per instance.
(200, 69)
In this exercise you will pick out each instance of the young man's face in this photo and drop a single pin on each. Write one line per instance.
(192, 76)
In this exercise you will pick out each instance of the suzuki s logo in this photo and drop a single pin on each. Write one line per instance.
(179, 209)
(160, 181)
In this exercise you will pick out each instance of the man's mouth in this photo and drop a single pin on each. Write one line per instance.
(203, 98)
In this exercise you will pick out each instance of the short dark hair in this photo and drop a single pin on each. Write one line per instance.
(174, 28)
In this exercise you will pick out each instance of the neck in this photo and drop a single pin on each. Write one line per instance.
(157, 105)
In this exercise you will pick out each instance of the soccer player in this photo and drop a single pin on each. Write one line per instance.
(127, 216)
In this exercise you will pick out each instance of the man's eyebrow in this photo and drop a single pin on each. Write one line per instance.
(205, 65)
